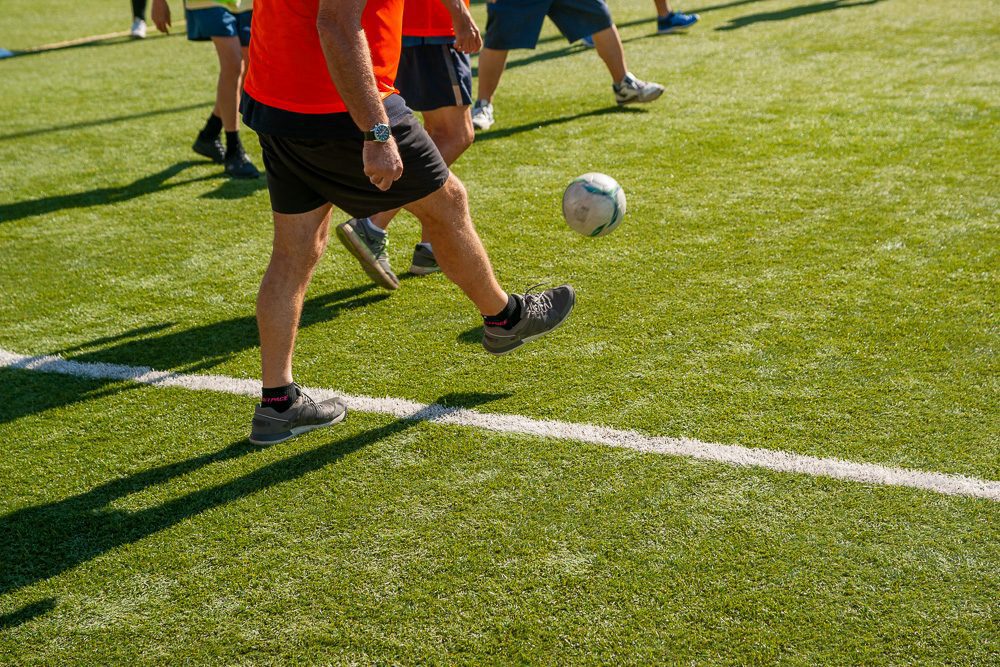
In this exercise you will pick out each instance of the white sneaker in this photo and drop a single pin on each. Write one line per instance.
(633, 91)
(138, 30)
(482, 115)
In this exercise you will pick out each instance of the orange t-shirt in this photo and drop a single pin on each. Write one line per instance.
(427, 18)
(287, 66)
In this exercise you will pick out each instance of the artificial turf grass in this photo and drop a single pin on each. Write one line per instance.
(382, 540)
(806, 264)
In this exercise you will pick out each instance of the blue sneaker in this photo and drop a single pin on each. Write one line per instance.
(588, 41)
(675, 22)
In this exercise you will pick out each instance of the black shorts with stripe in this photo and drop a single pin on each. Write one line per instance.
(433, 75)
(314, 159)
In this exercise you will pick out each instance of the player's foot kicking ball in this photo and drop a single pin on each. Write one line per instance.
(423, 262)
(535, 315)
(371, 250)
(634, 91)
(270, 426)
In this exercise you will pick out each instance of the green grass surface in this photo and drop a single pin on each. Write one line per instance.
(809, 263)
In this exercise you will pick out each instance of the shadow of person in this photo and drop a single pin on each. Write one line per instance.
(102, 122)
(101, 196)
(489, 135)
(44, 541)
(208, 345)
(793, 12)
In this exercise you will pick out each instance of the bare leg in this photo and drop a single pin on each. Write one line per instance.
(662, 7)
(451, 131)
(444, 215)
(227, 95)
(299, 242)
(491, 64)
(609, 48)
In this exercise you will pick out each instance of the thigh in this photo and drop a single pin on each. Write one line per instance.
(514, 24)
(577, 19)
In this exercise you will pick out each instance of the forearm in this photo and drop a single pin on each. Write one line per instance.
(456, 8)
(350, 67)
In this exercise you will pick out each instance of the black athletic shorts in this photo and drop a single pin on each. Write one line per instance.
(432, 74)
(326, 165)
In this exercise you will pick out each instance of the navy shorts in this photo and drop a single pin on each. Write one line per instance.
(433, 75)
(204, 24)
(516, 24)
(305, 173)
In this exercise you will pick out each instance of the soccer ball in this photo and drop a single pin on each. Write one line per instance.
(593, 204)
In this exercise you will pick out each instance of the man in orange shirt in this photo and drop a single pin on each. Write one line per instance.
(435, 78)
(333, 130)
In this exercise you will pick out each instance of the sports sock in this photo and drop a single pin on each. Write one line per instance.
(279, 398)
(508, 317)
(372, 227)
(426, 245)
(213, 126)
(233, 144)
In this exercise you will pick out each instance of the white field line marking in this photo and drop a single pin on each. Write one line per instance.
(79, 41)
(868, 473)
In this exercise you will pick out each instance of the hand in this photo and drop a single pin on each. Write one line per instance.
(160, 14)
(467, 36)
(383, 166)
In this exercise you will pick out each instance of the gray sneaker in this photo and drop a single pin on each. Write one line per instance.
(633, 91)
(540, 314)
(270, 426)
(423, 261)
(482, 115)
(370, 250)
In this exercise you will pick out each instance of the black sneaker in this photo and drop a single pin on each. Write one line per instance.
(239, 166)
(540, 314)
(270, 426)
(210, 148)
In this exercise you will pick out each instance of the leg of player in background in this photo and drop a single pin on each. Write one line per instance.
(232, 69)
(451, 130)
(299, 242)
(609, 47)
(491, 66)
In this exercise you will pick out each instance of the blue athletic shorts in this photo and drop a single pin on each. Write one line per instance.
(432, 74)
(516, 24)
(204, 24)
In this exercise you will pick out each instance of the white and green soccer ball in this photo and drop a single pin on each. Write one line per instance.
(594, 204)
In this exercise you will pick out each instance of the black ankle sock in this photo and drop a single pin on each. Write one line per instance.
(508, 317)
(212, 129)
(233, 144)
(279, 398)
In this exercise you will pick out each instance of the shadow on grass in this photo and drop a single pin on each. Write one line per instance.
(44, 541)
(113, 195)
(206, 346)
(489, 135)
(100, 122)
(793, 12)
(114, 39)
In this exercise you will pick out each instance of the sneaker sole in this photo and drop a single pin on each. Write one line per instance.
(365, 257)
(671, 31)
(291, 433)
(536, 336)
(636, 100)
(481, 126)
(423, 270)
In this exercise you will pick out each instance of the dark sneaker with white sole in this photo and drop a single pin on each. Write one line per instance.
(540, 314)
(423, 262)
(371, 251)
(210, 148)
(270, 426)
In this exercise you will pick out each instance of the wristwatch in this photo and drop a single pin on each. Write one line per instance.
(380, 133)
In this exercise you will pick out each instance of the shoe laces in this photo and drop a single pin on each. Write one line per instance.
(536, 303)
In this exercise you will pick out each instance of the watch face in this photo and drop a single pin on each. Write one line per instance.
(381, 132)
